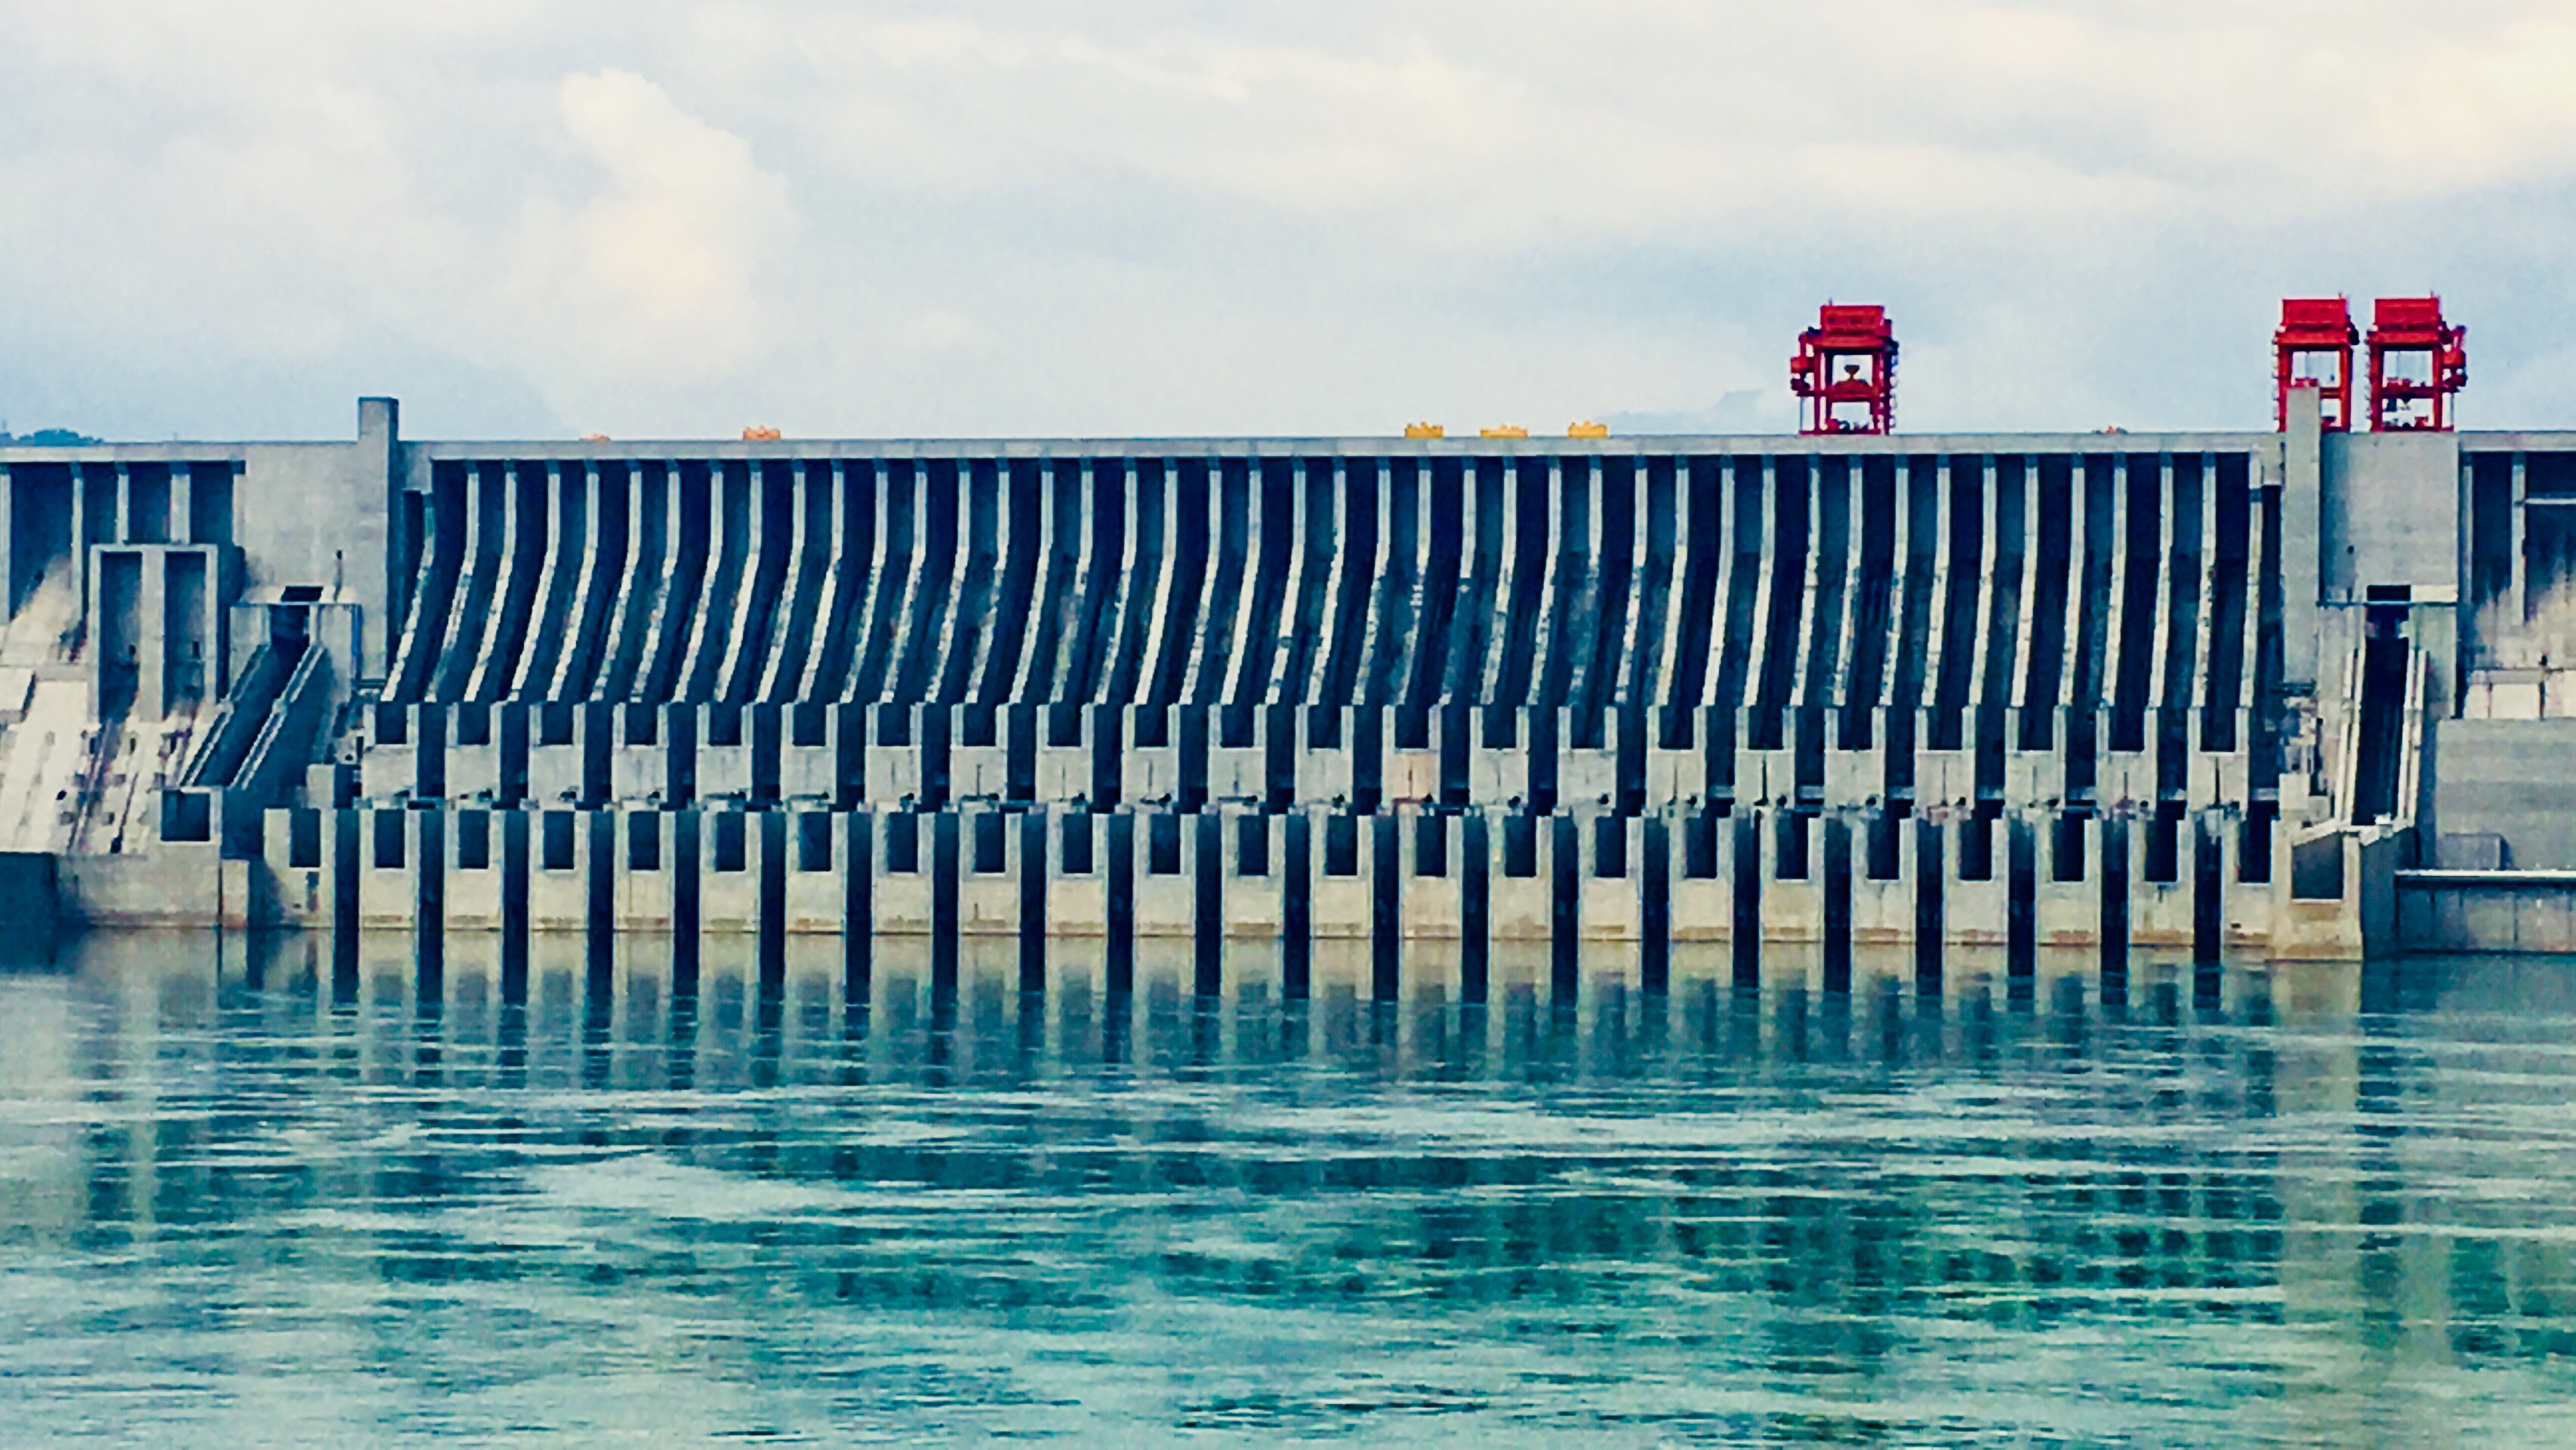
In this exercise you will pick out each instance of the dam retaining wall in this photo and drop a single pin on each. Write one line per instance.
(2105, 691)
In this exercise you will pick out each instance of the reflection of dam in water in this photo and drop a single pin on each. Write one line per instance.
(978, 1009)
(1894, 702)
(2257, 1215)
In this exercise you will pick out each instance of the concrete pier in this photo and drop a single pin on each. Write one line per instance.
(1894, 699)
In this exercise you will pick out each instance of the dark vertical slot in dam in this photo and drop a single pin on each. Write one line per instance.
(680, 751)
(2231, 553)
(2088, 678)
(2116, 856)
(1310, 614)
(1457, 724)
(2382, 733)
(1264, 616)
(2263, 763)
(2142, 552)
(1436, 634)
(344, 905)
(1631, 759)
(1223, 615)
(1015, 605)
(945, 869)
(1655, 908)
(1807, 744)
(1474, 626)
(770, 939)
(1368, 757)
(1033, 902)
(794, 566)
(514, 588)
(1135, 605)
(1746, 936)
(2208, 914)
(731, 516)
(1874, 598)
(1108, 755)
(1780, 640)
(39, 531)
(858, 907)
(1920, 496)
(2051, 578)
(1929, 908)
(692, 541)
(1019, 726)
(934, 740)
(1568, 631)
(1391, 637)
(1717, 751)
(599, 879)
(1051, 612)
(484, 487)
(1831, 487)
(1965, 578)
(429, 771)
(1838, 905)
(1296, 896)
(686, 859)
(644, 551)
(1475, 949)
(1564, 936)
(972, 622)
(1530, 520)
(874, 662)
(1641, 671)
(2021, 912)
(1194, 501)
(1542, 760)
(1193, 794)
(926, 631)
(1977, 846)
(2183, 588)
(1709, 537)
(2491, 558)
(849, 755)
(765, 724)
(1279, 757)
(1602, 648)
(1207, 940)
(514, 884)
(1386, 919)
(2009, 483)
(1122, 904)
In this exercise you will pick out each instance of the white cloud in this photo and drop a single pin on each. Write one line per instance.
(655, 278)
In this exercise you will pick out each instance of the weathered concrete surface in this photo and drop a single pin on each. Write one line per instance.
(2511, 778)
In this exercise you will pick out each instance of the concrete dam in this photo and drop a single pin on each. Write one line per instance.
(1889, 704)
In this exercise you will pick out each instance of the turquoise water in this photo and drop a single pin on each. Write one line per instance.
(242, 1202)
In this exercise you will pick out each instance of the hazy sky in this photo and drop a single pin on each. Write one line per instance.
(676, 217)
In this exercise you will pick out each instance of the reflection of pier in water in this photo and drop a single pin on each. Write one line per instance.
(1823, 1176)
(1159, 1001)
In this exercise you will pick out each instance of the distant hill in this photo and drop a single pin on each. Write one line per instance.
(46, 438)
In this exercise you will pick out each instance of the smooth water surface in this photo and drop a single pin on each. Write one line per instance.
(243, 1202)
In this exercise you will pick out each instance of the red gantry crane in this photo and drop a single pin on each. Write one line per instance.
(2417, 361)
(2313, 348)
(1845, 372)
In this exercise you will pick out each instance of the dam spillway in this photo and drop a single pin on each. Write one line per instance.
(2277, 695)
